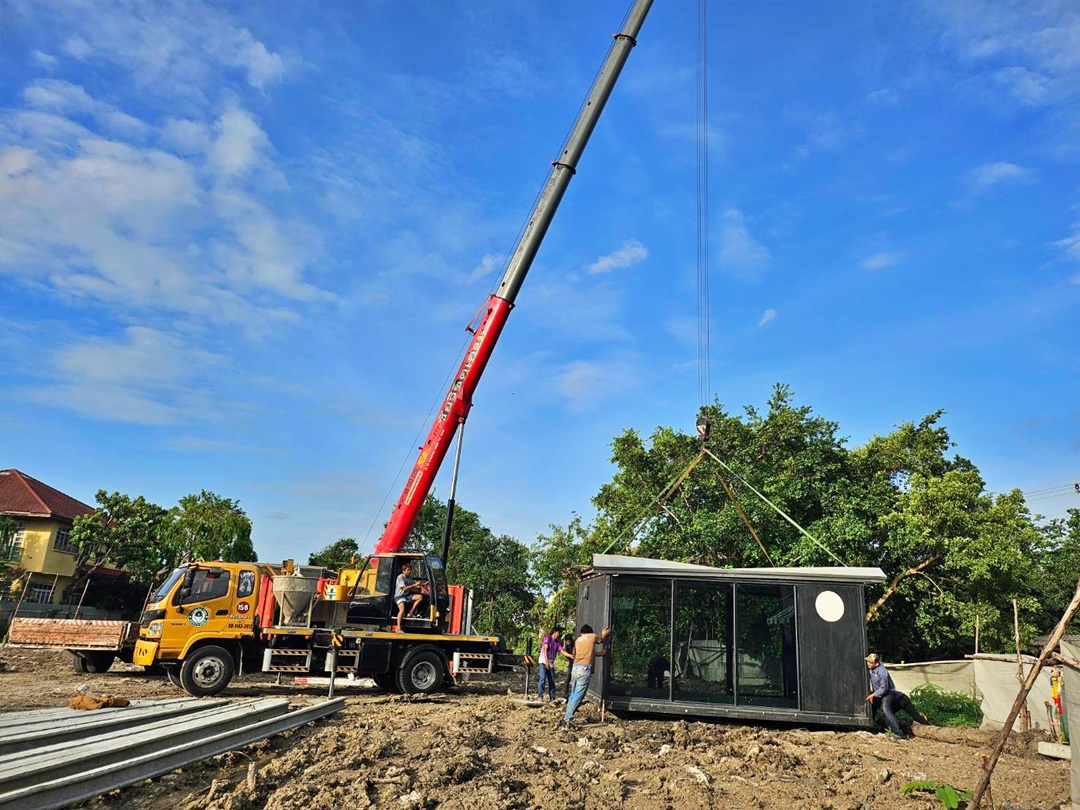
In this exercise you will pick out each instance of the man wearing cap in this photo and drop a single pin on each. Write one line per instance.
(886, 696)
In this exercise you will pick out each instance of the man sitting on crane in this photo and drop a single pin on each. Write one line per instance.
(405, 591)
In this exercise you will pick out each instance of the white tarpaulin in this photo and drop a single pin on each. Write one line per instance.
(993, 683)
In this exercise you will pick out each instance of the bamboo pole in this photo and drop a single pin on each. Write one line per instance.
(1025, 715)
(1021, 699)
(78, 608)
(976, 633)
(15, 612)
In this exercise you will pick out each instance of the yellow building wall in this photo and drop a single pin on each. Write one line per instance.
(39, 556)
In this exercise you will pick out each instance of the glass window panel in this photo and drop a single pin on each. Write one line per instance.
(767, 672)
(641, 620)
(207, 584)
(704, 643)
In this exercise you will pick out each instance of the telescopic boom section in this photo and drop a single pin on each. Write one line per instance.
(492, 318)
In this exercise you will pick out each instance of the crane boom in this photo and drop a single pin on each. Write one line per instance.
(491, 319)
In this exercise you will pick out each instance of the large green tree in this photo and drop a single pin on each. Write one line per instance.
(209, 527)
(903, 501)
(123, 532)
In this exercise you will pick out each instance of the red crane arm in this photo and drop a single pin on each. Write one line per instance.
(454, 411)
(458, 400)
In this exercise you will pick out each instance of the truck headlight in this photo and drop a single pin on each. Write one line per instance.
(155, 628)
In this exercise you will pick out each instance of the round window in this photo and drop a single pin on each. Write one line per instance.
(829, 606)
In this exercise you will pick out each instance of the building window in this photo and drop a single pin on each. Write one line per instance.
(640, 661)
(766, 662)
(40, 593)
(63, 540)
(12, 549)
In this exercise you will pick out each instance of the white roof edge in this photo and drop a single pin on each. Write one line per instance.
(618, 563)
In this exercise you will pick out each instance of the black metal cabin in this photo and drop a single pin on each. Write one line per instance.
(776, 644)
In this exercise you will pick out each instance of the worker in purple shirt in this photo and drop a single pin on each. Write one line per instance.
(550, 647)
(887, 697)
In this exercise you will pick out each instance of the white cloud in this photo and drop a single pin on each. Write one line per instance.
(885, 97)
(145, 377)
(879, 261)
(1025, 85)
(93, 215)
(767, 316)
(44, 60)
(586, 384)
(17, 159)
(1038, 41)
(632, 252)
(989, 175)
(239, 144)
(72, 100)
(175, 48)
(740, 254)
(1070, 245)
(488, 265)
(186, 137)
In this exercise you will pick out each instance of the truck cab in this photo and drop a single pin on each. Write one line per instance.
(196, 622)
(371, 598)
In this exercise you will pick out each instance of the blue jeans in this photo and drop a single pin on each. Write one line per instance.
(892, 702)
(579, 685)
(547, 676)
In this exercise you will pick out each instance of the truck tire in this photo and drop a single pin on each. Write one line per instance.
(78, 664)
(422, 672)
(386, 681)
(173, 674)
(207, 671)
(98, 661)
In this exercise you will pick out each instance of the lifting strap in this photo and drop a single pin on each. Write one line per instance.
(778, 510)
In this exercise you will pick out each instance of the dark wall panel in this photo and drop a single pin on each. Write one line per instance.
(594, 606)
(832, 672)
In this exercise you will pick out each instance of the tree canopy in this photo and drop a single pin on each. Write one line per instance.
(340, 554)
(141, 537)
(903, 501)
(209, 527)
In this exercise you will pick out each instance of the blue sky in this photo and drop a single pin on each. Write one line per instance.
(239, 242)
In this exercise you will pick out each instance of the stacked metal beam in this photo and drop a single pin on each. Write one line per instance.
(54, 757)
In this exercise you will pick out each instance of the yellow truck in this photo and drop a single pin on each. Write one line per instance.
(209, 621)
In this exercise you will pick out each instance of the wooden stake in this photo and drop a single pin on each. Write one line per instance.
(976, 633)
(1021, 699)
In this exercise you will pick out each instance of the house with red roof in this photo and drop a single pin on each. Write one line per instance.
(41, 545)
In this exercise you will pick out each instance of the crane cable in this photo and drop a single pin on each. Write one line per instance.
(701, 120)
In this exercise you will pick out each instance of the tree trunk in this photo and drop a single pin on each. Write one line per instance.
(889, 591)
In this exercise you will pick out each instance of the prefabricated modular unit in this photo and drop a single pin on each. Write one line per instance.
(774, 644)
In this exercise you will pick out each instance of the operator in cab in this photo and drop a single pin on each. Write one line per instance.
(407, 592)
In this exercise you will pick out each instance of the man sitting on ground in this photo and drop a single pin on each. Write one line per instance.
(406, 591)
(888, 698)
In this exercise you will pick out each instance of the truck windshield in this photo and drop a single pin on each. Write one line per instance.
(168, 584)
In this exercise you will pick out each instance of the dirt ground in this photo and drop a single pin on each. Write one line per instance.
(474, 748)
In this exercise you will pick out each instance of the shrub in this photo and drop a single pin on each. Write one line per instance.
(943, 708)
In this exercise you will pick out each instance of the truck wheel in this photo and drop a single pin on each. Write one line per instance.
(78, 664)
(173, 674)
(422, 672)
(207, 671)
(386, 681)
(98, 662)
